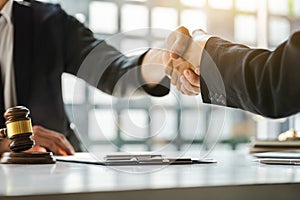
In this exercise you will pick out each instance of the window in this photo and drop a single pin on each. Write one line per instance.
(99, 13)
(174, 121)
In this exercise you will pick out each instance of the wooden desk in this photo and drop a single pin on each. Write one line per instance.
(235, 176)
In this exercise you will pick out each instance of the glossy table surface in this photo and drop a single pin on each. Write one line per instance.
(235, 176)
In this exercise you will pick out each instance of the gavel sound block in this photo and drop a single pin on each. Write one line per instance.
(19, 131)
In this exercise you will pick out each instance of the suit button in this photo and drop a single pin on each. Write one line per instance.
(216, 95)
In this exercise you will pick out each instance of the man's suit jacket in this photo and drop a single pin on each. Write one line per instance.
(47, 43)
(260, 81)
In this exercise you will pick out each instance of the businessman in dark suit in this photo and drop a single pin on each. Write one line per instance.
(257, 80)
(38, 42)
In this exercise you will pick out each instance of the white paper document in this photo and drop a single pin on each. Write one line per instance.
(121, 159)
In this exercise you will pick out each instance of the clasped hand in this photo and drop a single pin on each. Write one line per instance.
(179, 59)
(183, 61)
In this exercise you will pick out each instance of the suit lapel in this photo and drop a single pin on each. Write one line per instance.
(23, 49)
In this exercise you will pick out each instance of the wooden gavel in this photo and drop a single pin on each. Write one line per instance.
(18, 129)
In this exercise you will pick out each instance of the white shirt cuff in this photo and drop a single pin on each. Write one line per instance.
(194, 52)
(201, 38)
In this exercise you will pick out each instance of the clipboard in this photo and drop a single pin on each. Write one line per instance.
(132, 159)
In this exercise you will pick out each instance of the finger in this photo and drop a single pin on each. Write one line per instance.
(50, 145)
(52, 140)
(36, 148)
(189, 90)
(63, 143)
(180, 65)
(186, 91)
(183, 30)
(193, 78)
(197, 71)
(178, 83)
(188, 86)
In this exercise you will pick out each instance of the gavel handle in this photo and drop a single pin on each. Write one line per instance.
(3, 133)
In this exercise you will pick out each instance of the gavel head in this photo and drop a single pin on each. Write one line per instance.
(18, 128)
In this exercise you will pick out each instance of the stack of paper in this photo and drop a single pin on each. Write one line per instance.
(279, 158)
(274, 145)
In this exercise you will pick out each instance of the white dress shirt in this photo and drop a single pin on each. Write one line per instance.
(6, 55)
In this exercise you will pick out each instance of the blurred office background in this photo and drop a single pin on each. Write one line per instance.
(175, 121)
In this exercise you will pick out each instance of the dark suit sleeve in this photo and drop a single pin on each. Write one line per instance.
(260, 81)
(101, 65)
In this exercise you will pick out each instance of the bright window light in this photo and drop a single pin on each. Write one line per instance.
(246, 5)
(193, 124)
(245, 29)
(80, 17)
(102, 125)
(280, 7)
(296, 6)
(163, 124)
(98, 97)
(134, 124)
(165, 18)
(103, 17)
(220, 4)
(170, 100)
(134, 17)
(133, 148)
(193, 3)
(279, 30)
(193, 19)
(70, 84)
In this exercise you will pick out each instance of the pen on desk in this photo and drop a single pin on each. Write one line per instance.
(130, 157)
(280, 161)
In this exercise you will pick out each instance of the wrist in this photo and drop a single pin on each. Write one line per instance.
(200, 39)
(153, 67)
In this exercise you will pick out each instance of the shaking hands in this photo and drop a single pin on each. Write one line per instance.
(179, 59)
